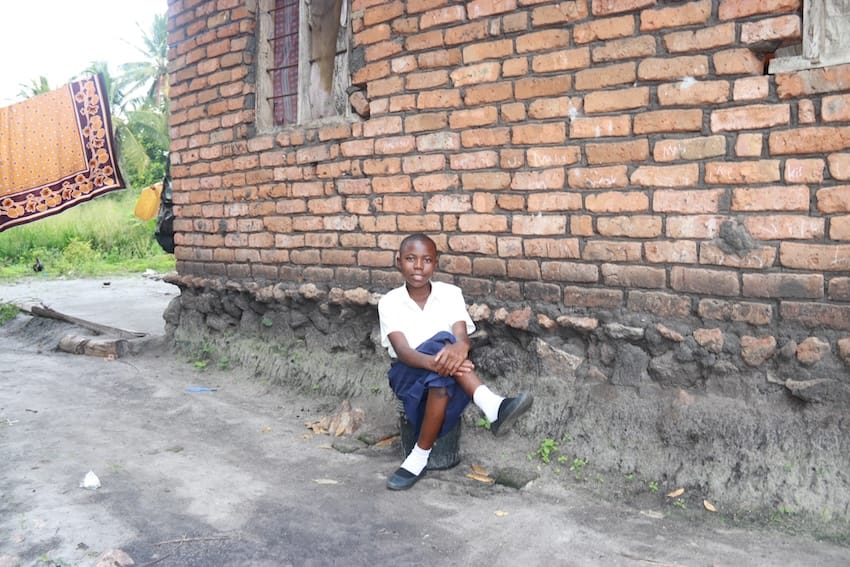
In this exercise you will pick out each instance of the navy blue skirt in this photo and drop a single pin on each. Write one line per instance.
(411, 387)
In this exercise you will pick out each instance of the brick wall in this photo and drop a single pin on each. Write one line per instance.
(614, 154)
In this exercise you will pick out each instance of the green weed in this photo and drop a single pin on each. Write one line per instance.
(547, 447)
(8, 311)
(577, 467)
(653, 486)
(679, 503)
(483, 422)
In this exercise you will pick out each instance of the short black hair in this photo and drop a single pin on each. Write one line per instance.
(417, 237)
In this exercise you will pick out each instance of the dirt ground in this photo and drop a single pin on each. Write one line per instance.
(231, 476)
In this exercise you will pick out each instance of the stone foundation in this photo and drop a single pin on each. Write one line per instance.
(753, 419)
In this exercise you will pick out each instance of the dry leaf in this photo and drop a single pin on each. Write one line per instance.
(267, 428)
(501, 513)
(479, 470)
(709, 506)
(387, 441)
(481, 478)
(676, 493)
(306, 436)
(325, 481)
(326, 446)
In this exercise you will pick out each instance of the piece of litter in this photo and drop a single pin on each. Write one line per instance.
(325, 481)
(90, 481)
(200, 389)
(501, 513)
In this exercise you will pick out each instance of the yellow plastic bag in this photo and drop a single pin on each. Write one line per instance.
(148, 203)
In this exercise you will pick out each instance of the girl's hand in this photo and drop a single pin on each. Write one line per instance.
(450, 358)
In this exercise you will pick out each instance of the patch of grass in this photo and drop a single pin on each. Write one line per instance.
(577, 467)
(483, 422)
(653, 486)
(8, 311)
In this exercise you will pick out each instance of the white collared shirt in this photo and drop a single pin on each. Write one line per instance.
(445, 307)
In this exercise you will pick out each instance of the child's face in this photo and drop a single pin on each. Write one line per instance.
(417, 261)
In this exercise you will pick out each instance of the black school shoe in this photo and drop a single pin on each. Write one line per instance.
(402, 479)
(509, 410)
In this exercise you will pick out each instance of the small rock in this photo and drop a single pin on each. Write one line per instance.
(479, 312)
(711, 339)
(519, 319)
(545, 322)
(114, 558)
(756, 350)
(812, 350)
(844, 350)
(669, 333)
(618, 331)
(583, 324)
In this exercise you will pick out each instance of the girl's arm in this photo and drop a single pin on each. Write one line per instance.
(445, 363)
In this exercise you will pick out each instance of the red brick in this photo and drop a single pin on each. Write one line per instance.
(806, 112)
(839, 166)
(466, 34)
(449, 203)
(603, 77)
(604, 7)
(581, 225)
(689, 92)
(603, 29)
(423, 122)
(513, 112)
(535, 87)
(778, 198)
(632, 226)
(395, 184)
(426, 80)
(834, 199)
(482, 223)
(537, 180)
(423, 163)
(510, 202)
(749, 145)
(598, 177)
(690, 13)
(569, 272)
(836, 108)
(538, 224)
(671, 252)
(737, 9)
(483, 94)
(439, 58)
(382, 126)
(616, 202)
(560, 13)
(689, 149)
(511, 158)
(763, 171)
(442, 16)
(666, 176)
(611, 251)
(438, 141)
(488, 50)
(395, 145)
(475, 244)
(753, 117)
(620, 152)
(386, 49)
(660, 69)
(564, 60)
(701, 39)
(553, 201)
(781, 28)
(751, 88)
(473, 74)
(542, 40)
(553, 156)
(484, 137)
(558, 247)
(812, 140)
(385, 87)
(603, 126)
(804, 170)
(486, 181)
(738, 62)
(633, 276)
(372, 35)
(558, 107)
(752, 313)
(614, 100)
(629, 48)
(423, 41)
(436, 182)
(483, 116)
(692, 201)
(535, 134)
(783, 227)
(689, 120)
(755, 259)
(708, 282)
(482, 8)
(486, 159)
(814, 81)
(703, 227)
(839, 228)
(816, 315)
(797, 286)
(445, 98)
(515, 67)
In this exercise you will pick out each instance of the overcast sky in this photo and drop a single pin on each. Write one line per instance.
(60, 38)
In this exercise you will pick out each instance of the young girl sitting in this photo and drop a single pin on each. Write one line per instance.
(425, 327)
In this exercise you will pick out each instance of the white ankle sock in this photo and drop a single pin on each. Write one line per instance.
(416, 460)
(487, 401)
